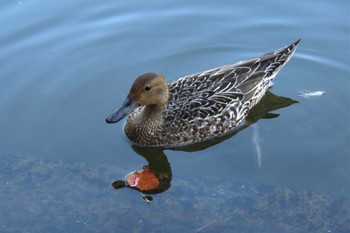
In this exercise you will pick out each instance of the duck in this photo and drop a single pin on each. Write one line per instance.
(198, 107)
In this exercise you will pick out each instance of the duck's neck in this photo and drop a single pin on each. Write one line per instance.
(153, 112)
(144, 122)
(143, 126)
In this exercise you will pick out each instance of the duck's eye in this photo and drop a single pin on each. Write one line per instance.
(147, 88)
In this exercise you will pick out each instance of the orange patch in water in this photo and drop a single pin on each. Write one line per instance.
(143, 180)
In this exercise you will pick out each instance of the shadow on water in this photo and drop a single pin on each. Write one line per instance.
(156, 176)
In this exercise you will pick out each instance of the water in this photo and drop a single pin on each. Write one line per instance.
(66, 65)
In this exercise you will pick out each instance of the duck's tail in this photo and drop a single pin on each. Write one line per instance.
(267, 67)
(278, 58)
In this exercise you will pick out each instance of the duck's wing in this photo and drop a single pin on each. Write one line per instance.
(207, 95)
(225, 91)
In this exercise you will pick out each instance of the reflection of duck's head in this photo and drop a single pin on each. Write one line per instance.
(145, 181)
(152, 178)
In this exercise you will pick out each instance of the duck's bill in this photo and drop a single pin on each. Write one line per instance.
(126, 109)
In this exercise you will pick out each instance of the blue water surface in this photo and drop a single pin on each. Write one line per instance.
(65, 65)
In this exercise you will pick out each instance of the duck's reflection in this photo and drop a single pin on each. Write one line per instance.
(156, 176)
(153, 178)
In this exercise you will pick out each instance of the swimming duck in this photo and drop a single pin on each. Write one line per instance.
(197, 107)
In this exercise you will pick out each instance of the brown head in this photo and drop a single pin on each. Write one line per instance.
(148, 89)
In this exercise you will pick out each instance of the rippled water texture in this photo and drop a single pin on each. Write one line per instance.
(65, 65)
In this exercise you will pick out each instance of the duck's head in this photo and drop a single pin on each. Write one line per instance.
(148, 89)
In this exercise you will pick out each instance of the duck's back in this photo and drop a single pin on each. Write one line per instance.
(212, 103)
